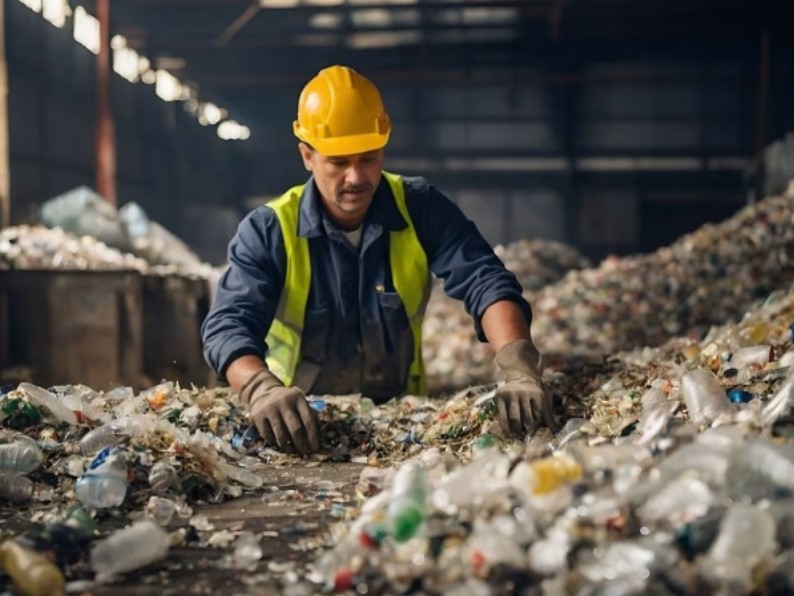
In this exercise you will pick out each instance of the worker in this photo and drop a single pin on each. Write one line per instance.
(327, 284)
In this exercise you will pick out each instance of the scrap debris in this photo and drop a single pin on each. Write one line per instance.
(671, 469)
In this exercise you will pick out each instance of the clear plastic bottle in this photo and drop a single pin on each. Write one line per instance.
(746, 538)
(97, 439)
(754, 355)
(20, 456)
(45, 399)
(780, 403)
(105, 485)
(408, 502)
(161, 477)
(14, 488)
(33, 574)
(705, 398)
(160, 510)
(134, 547)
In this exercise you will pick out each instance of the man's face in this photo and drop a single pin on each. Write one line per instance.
(346, 183)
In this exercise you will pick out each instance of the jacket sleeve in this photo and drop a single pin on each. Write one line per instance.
(248, 293)
(459, 254)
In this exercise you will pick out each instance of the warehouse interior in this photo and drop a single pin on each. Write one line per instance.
(631, 162)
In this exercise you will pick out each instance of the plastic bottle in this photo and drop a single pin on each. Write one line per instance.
(408, 502)
(704, 396)
(160, 510)
(684, 498)
(32, 573)
(161, 477)
(131, 548)
(20, 456)
(754, 355)
(45, 399)
(787, 359)
(546, 475)
(746, 538)
(17, 489)
(105, 485)
(96, 440)
(780, 403)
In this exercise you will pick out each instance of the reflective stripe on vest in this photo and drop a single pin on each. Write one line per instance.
(410, 276)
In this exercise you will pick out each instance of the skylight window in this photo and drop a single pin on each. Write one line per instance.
(86, 29)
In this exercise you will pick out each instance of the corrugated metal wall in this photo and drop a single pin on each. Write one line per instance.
(589, 147)
(164, 158)
(563, 158)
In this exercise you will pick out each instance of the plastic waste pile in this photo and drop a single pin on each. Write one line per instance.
(679, 480)
(669, 458)
(84, 212)
(538, 263)
(37, 247)
(93, 220)
(705, 278)
(453, 356)
(164, 251)
(68, 454)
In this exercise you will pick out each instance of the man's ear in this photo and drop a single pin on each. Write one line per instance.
(306, 155)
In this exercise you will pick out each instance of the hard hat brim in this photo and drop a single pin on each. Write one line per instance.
(349, 145)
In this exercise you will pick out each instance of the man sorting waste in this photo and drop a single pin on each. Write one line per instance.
(328, 283)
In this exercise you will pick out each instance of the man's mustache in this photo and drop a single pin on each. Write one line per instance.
(359, 188)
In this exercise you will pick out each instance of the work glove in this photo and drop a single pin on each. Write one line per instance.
(522, 403)
(282, 414)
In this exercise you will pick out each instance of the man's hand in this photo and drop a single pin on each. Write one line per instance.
(522, 403)
(282, 414)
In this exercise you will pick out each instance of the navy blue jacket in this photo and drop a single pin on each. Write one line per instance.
(356, 338)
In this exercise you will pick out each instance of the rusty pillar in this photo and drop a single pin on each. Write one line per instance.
(105, 134)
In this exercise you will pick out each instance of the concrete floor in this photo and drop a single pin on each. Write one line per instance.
(291, 509)
(298, 517)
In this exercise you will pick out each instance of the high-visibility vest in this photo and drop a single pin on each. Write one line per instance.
(410, 276)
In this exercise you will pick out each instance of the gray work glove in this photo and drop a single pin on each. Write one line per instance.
(521, 402)
(282, 414)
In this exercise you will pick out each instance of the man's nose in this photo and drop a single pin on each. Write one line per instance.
(355, 175)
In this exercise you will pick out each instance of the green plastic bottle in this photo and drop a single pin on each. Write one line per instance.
(408, 504)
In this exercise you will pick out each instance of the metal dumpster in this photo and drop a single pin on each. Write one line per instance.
(173, 310)
(69, 327)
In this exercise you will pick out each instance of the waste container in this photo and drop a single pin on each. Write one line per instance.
(70, 327)
(174, 307)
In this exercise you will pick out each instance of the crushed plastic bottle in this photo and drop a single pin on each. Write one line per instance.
(32, 573)
(160, 510)
(746, 538)
(105, 485)
(48, 401)
(781, 403)
(21, 456)
(98, 439)
(704, 396)
(14, 488)
(134, 547)
(162, 476)
(752, 356)
(408, 502)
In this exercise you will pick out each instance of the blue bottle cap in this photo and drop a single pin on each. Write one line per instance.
(739, 396)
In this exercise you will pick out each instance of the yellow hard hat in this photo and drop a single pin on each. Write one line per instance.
(341, 112)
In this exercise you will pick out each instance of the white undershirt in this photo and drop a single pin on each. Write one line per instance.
(354, 237)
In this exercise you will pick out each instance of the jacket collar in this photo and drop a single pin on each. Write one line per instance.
(383, 211)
